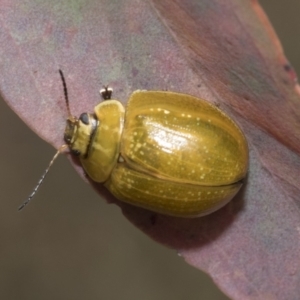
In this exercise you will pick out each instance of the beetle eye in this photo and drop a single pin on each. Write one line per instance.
(84, 118)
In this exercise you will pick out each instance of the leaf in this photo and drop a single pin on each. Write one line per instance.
(223, 51)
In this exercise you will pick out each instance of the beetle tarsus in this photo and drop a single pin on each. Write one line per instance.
(106, 92)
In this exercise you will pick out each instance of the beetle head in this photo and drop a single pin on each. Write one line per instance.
(79, 133)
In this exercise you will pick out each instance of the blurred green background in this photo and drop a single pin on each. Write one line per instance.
(71, 245)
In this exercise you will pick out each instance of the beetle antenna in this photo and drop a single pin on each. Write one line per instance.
(65, 91)
(60, 150)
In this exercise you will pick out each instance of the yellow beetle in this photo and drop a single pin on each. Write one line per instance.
(167, 152)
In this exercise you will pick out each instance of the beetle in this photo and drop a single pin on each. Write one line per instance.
(168, 152)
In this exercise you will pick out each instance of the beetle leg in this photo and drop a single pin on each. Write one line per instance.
(106, 92)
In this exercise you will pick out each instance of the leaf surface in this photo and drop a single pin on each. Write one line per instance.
(222, 51)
